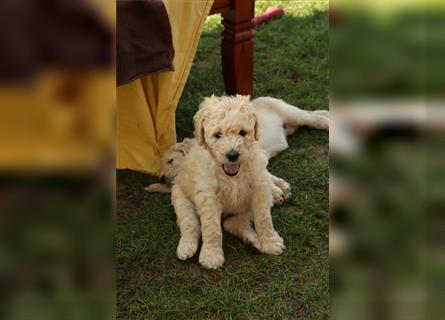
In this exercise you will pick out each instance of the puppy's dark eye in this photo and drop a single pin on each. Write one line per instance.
(170, 161)
(242, 133)
(217, 135)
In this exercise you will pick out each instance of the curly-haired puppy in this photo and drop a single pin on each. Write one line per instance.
(224, 174)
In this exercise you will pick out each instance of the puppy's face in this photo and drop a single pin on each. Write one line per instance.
(172, 161)
(228, 128)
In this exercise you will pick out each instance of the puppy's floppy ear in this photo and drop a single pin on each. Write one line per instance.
(257, 129)
(198, 121)
(184, 149)
(187, 144)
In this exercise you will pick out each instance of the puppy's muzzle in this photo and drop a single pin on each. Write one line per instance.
(166, 180)
(232, 155)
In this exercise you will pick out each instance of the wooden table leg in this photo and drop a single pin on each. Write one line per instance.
(237, 47)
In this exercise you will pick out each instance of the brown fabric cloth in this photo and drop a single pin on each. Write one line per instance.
(61, 34)
(144, 39)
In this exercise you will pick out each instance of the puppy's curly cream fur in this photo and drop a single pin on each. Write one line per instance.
(210, 186)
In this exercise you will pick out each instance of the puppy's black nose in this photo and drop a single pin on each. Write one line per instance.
(162, 179)
(232, 155)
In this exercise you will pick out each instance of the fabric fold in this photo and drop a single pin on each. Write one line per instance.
(146, 106)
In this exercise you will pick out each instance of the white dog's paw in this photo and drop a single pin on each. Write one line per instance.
(319, 119)
(157, 187)
(287, 194)
(324, 113)
(273, 245)
(211, 258)
(187, 248)
(277, 195)
(281, 191)
(285, 188)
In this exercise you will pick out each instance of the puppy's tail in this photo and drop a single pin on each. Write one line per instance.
(293, 116)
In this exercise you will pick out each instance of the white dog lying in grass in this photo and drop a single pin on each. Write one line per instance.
(277, 119)
(225, 175)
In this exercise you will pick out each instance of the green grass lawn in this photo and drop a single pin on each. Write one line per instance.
(291, 63)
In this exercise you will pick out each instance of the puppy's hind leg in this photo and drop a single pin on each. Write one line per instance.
(240, 226)
(294, 117)
(188, 224)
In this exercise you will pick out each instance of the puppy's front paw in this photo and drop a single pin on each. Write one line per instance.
(277, 195)
(273, 245)
(211, 258)
(187, 247)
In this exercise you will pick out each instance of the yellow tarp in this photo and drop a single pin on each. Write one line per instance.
(146, 107)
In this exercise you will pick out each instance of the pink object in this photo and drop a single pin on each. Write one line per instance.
(270, 13)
